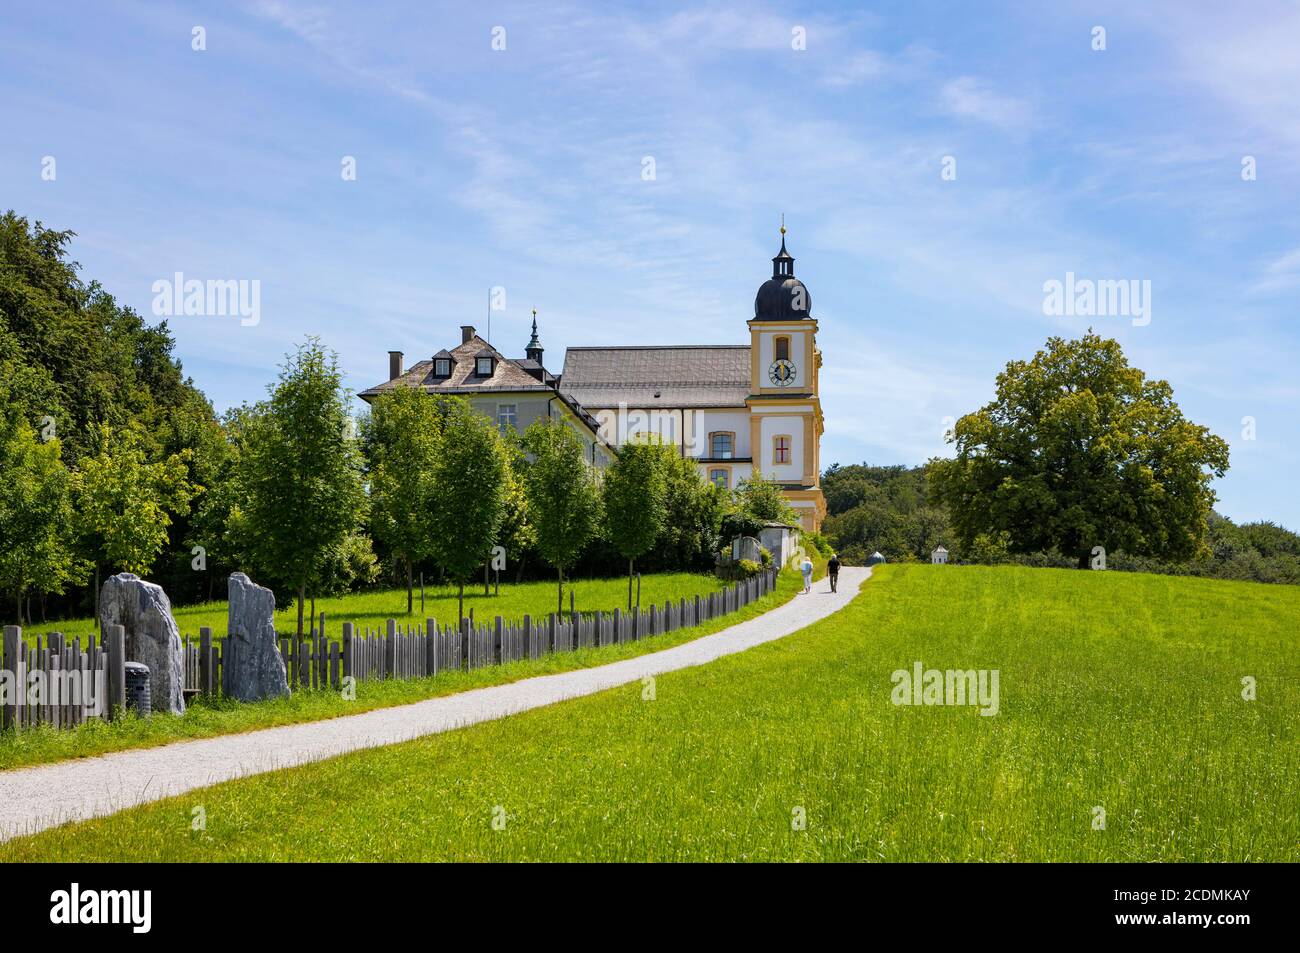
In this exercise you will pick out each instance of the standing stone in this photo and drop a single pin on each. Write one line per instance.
(143, 609)
(254, 668)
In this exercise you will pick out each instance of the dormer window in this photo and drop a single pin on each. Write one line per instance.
(484, 364)
(442, 364)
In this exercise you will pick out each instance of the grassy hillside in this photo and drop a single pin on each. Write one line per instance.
(1119, 691)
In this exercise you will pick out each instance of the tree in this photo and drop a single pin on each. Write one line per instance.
(516, 534)
(301, 471)
(402, 444)
(563, 498)
(633, 497)
(35, 515)
(1078, 450)
(762, 502)
(693, 512)
(469, 496)
(124, 503)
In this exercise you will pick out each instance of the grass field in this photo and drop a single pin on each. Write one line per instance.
(206, 718)
(372, 609)
(1120, 692)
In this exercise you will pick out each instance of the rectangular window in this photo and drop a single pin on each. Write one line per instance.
(721, 445)
(782, 349)
(442, 367)
(720, 478)
(507, 416)
(781, 449)
(485, 367)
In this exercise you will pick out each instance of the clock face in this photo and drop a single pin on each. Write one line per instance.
(781, 373)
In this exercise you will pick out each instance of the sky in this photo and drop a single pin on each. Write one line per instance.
(623, 169)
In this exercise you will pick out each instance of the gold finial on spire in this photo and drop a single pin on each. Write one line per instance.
(534, 313)
(783, 223)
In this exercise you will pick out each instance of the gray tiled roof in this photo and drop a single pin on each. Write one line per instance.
(506, 376)
(682, 376)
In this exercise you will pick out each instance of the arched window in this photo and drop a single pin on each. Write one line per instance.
(782, 348)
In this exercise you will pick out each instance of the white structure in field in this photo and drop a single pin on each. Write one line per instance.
(939, 556)
(735, 409)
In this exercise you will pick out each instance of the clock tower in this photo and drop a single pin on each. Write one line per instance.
(785, 414)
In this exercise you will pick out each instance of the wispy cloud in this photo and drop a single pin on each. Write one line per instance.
(969, 98)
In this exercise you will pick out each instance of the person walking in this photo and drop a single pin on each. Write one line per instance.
(806, 567)
(833, 570)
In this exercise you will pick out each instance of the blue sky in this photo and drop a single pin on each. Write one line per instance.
(523, 168)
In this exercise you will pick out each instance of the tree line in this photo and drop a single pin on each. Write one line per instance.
(114, 461)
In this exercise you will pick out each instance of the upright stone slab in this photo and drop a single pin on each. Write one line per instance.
(255, 669)
(145, 612)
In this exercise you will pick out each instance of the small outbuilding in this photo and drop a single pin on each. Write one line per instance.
(939, 556)
(875, 558)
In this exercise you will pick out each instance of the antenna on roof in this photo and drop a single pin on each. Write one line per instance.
(489, 316)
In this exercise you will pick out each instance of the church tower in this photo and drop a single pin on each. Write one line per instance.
(785, 413)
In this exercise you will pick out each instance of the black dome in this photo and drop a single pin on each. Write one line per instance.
(783, 297)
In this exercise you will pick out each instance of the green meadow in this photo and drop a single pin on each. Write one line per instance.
(1122, 734)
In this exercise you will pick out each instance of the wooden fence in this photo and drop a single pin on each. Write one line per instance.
(318, 661)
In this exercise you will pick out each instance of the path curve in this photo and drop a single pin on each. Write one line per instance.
(33, 799)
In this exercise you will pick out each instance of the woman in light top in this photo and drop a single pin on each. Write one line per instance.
(806, 567)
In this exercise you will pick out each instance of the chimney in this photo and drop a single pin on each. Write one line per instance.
(394, 365)
(466, 333)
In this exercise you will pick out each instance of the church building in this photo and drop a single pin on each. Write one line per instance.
(735, 409)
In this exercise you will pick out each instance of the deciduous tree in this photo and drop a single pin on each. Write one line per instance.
(1079, 449)
(300, 468)
(469, 493)
(125, 504)
(633, 500)
(401, 442)
(563, 497)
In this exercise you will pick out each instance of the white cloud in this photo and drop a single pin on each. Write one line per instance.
(969, 98)
(1280, 274)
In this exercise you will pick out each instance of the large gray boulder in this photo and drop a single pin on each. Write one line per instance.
(253, 667)
(144, 610)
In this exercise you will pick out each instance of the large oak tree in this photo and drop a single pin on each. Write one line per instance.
(1078, 450)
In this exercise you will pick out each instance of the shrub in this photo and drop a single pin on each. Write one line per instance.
(748, 568)
(819, 543)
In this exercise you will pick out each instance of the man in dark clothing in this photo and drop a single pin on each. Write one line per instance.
(833, 570)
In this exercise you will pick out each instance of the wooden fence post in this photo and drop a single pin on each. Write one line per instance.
(431, 648)
(116, 669)
(347, 649)
(390, 649)
(498, 650)
(205, 660)
(13, 712)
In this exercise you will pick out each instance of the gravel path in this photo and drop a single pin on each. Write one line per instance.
(32, 799)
